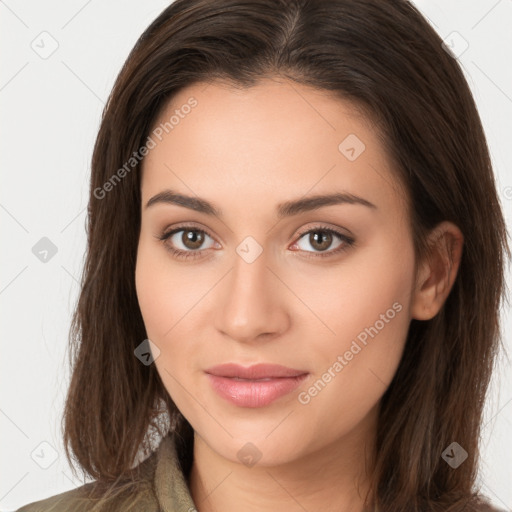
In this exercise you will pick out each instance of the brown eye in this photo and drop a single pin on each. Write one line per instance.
(186, 241)
(192, 238)
(320, 240)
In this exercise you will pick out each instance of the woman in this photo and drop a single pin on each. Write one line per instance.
(295, 258)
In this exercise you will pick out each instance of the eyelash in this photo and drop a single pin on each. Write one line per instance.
(185, 255)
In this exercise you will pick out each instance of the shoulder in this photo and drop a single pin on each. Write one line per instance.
(133, 495)
(77, 499)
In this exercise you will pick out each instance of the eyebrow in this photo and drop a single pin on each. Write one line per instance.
(285, 209)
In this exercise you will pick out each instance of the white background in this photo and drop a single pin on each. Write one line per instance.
(50, 112)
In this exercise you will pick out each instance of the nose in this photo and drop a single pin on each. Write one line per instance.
(251, 305)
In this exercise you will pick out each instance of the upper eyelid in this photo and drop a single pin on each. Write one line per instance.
(177, 229)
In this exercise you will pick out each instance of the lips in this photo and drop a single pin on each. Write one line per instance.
(255, 372)
(255, 386)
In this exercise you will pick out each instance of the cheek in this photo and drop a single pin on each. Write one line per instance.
(352, 296)
(367, 308)
(151, 296)
(169, 299)
(160, 297)
(159, 302)
(353, 371)
(165, 292)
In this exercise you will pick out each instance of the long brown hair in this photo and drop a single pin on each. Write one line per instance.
(385, 57)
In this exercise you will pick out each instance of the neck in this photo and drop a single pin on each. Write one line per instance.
(331, 479)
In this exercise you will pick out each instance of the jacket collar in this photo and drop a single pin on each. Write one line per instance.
(171, 488)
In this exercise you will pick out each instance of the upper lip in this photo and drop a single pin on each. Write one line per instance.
(257, 371)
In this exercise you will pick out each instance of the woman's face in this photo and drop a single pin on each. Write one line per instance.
(264, 281)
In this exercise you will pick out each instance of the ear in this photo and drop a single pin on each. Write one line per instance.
(437, 273)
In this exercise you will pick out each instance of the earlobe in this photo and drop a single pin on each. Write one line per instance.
(437, 272)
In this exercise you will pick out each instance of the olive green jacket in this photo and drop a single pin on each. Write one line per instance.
(163, 489)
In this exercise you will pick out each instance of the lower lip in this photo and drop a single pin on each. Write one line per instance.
(253, 393)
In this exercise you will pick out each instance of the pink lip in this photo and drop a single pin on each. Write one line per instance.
(251, 391)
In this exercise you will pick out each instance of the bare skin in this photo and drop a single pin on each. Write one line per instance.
(247, 151)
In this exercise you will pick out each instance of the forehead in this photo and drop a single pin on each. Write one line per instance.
(272, 141)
